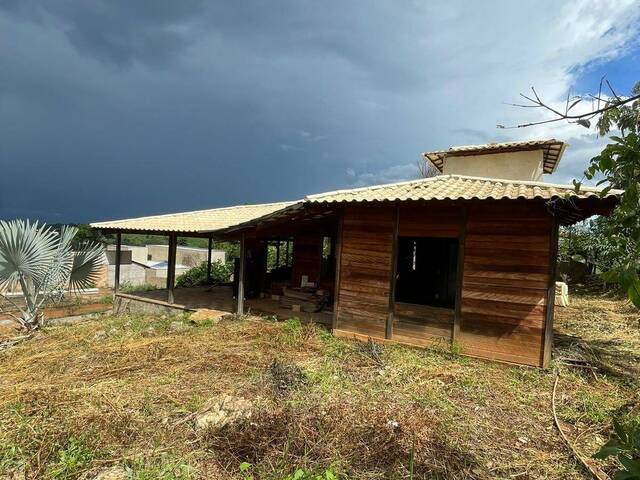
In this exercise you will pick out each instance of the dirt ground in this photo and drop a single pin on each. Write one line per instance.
(131, 392)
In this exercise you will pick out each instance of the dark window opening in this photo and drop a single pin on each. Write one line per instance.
(427, 271)
(328, 265)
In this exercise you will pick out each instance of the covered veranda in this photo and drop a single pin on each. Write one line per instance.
(252, 291)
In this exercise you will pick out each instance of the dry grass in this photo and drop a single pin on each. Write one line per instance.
(72, 401)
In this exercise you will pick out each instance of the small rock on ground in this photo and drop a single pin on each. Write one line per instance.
(100, 335)
(218, 413)
(177, 325)
(204, 314)
(112, 473)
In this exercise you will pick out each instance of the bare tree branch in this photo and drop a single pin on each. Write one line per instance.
(583, 118)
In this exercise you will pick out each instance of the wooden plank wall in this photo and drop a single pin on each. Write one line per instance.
(505, 276)
(421, 324)
(307, 257)
(365, 269)
(505, 281)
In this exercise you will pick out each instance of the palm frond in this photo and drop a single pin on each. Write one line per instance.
(26, 250)
(61, 264)
(86, 265)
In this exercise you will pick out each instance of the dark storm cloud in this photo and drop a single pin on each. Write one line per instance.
(119, 31)
(123, 108)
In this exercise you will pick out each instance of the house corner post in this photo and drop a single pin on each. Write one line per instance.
(462, 239)
(388, 334)
(547, 347)
(338, 260)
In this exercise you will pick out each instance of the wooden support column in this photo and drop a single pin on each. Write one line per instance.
(240, 309)
(209, 260)
(286, 255)
(388, 334)
(336, 288)
(171, 266)
(116, 280)
(551, 297)
(457, 318)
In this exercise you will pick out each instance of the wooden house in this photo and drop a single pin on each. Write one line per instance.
(467, 256)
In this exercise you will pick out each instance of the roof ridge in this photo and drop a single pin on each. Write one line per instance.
(531, 183)
(488, 145)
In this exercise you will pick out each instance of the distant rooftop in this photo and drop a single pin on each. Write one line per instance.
(552, 149)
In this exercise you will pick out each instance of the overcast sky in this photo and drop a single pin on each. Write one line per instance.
(112, 109)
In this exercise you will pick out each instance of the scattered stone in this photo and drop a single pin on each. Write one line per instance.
(218, 413)
(204, 314)
(393, 425)
(177, 326)
(112, 473)
(100, 335)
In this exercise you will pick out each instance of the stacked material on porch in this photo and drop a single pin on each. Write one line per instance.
(562, 294)
(305, 299)
(278, 287)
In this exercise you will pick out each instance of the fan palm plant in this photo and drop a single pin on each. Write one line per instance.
(42, 262)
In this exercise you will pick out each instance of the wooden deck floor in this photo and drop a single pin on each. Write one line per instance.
(221, 298)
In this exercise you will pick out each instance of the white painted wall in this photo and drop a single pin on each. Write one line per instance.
(525, 166)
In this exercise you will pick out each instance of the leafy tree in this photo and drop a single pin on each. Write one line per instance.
(625, 118)
(588, 243)
(619, 166)
(43, 263)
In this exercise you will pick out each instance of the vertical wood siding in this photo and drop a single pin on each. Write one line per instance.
(505, 282)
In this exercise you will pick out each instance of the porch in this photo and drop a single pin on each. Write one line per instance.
(218, 297)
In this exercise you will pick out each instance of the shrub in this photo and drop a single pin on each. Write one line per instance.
(196, 276)
(127, 287)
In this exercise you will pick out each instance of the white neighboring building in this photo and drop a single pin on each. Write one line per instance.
(140, 265)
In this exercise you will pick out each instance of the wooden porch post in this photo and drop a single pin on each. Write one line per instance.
(209, 261)
(240, 309)
(116, 281)
(457, 317)
(551, 297)
(336, 288)
(392, 280)
(171, 266)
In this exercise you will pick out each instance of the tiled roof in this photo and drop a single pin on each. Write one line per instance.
(552, 149)
(442, 187)
(198, 221)
(455, 187)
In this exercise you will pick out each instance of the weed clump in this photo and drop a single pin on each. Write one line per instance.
(371, 350)
(285, 377)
